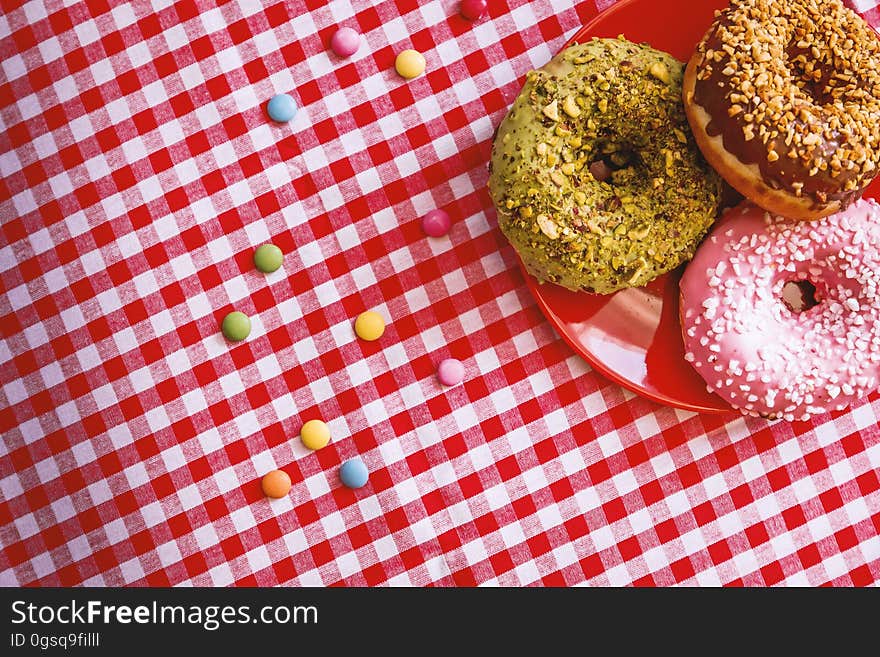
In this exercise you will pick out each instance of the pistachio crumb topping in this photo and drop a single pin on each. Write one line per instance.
(595, 174)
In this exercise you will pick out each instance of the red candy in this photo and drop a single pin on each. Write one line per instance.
(436, 223)
(472, 9)
(345, 42)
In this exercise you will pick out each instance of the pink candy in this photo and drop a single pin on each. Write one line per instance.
(472, 9)
(345, 42)
(436, 223)
(450, 372)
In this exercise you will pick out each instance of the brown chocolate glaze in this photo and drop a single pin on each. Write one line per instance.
(712, 93)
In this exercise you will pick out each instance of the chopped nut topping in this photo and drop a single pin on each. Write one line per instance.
(660, 71)
(551, 111)
(557, 178)
(570, 107)
(586, 203)
(639, 233)
(547, 226)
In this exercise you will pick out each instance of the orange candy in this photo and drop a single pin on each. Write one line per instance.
(276, 484)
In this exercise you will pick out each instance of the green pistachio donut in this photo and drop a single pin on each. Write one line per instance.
(596, 177)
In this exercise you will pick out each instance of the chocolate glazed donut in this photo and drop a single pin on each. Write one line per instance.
(783, 97)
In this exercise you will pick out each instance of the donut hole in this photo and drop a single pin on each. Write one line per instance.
(799, 296)
(612, 157)
(811, 80)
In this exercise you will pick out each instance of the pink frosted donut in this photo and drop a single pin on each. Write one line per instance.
(756, 331)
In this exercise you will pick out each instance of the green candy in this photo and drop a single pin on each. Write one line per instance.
(268, 258)
(236, 326)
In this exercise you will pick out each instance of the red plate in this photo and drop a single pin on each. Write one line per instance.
(633, 336)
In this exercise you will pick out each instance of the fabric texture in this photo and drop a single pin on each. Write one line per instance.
(138, 171)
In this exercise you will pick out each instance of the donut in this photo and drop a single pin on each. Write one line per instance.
(782, 97)
(782, 317)
(594, 173)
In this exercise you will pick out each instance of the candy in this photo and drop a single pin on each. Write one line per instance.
(281, 108)
(268, 258)
(450, 372)
(345, 42)
(436, 223)
(353, 473)
(369, 325)
(236, 326)
(410, 64)
(472, 9)
(315, 434)
(276, 484)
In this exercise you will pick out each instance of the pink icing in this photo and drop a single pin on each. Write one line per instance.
(750, 347)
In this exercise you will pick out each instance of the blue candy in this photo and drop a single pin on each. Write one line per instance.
(281, 108)
(353, 473)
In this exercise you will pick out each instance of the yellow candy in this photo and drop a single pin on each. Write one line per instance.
(315, 434)
(369, 325)
(410, 64)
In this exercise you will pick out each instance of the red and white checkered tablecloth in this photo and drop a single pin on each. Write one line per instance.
(139, 171)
